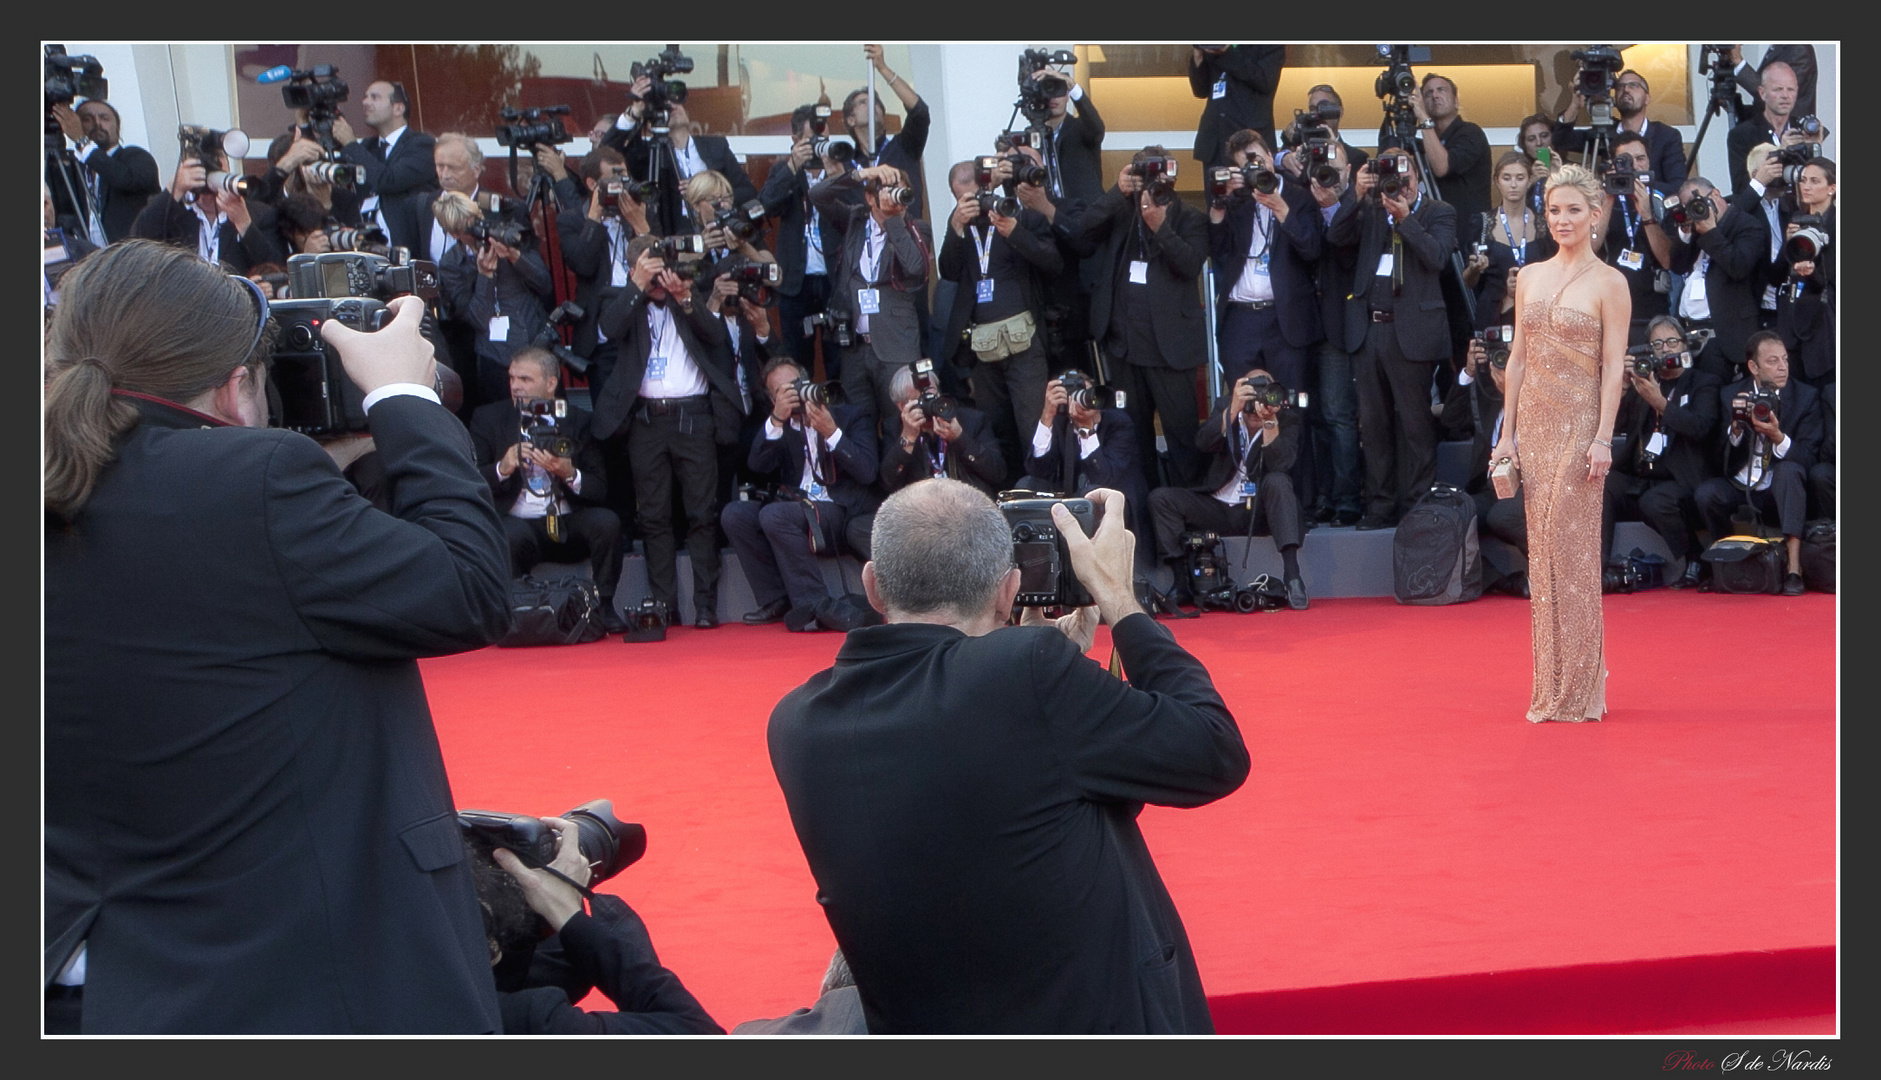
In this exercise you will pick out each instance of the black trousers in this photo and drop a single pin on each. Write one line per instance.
(1011, 392)
(773, 546)
(1396, 428)
(1276, 511)
(589, 532)
(1787, 499)
(811, 299)
(1251, 338)
(1504, 519)
(865, 380)
(1157, 391)
(1664, 504)
(678, 447)
(1822, 488)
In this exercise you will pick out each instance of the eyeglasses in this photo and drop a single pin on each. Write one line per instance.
(1629, 86)
(261, 324)
(1666, 344)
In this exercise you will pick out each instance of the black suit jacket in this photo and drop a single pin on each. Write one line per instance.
(1739, 247)
(1252, 71)
(975, 844)
(958, 262)
(587, 250)
(1740, 141)
(497, 426)
(895, 330)
(624, 320)
(669, 206)
(405, 181)
(974, 458)
(1215, 439)
(852, 466)
(1295, 247)
(1470, 411)
(126, 182)
(786, 196)
(1114, 464)
(163, 218)
(1079, 144)
(1690, 423)
(608, 951)
(1175, 254)
(1665, 148)
(1429, 235)
(248, 822)
(1798, 415)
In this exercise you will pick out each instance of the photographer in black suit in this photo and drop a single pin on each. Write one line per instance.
(806, 242)
(1252, 444)
(220, 226)
(878, 285)
(498, 295)
(998, 265)
(398, 163)
(983, 871)
(959, 446)
(1767, 455)
(1670, 419)
(1396, 326)
(1074, 145)
(1076, 448)
(904, 148)
(553, 504)
(1721, 250)
(672, 398)
(594, 247)
(1238, 82)
(114, 180)
(1636, 242)
(827, 454)
(1663, 145)
(239, 759)
(683, 156)
(1144, 310)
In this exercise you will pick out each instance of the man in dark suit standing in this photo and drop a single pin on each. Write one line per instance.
(1670, 419)
(1238, 81)
(594, 247)
(397, 161)
(806, 242)
(1145, 311)
(672, 398)
(1264, 247)
(1396, 326)
(114, 180)
(1768, 453)
(553, 505)
(1722, 255)
(1074, 145)
(1664, 146)
(1771, 124)
(1252, 444)
(681, 156)
(828, 454)
(221, 226)
(248, 825)
(879, 283)
(975, 845)
(904, 148)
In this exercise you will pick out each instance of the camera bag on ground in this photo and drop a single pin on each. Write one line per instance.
(1632, 572)
(554, 611)
(1434, 554)
(1818, 555)
(1747, 564)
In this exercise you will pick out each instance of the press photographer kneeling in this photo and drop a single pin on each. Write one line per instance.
(547, 953)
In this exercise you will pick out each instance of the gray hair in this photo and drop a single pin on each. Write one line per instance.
(1665, 320)
(901, 384)
(940, 544)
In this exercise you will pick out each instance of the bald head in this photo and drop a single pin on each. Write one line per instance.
(939, 546)
(1778, 91)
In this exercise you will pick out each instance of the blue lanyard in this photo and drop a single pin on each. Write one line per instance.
(1628, 218)
(1521, 253)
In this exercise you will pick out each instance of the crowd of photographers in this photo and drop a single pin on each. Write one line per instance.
(763, 365)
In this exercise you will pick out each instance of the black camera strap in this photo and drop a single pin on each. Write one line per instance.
(533, 863)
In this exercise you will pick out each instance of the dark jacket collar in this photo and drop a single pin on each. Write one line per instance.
(894, 639)
(156, 410)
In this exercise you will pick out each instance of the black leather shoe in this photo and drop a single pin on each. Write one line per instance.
(769, 613)
(1322, 513)
(1372, 521)
(1345, 519)
(801, 620)
(610, 618)
(707, 620)
(1515, 584)
(1793, 585)
(1296, 594)
(1693, 576)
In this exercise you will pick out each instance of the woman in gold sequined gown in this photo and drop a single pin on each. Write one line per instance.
(1566, 369)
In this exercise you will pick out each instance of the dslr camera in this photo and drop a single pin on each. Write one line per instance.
(1758, 405)
(1617, 176)
(1648, 364)
(614, 187)
(932, 403)
(1255, 179)
(888, 194)
(838, 150)
(340, 274)
(1391, 171)
(567, 313)
(504, 230)
(838, 328)
(1313, 134)
(1046, 578)
(1035, 95)
(207, 146)
(607, 843)
(991, 201)
(1496, 341)
(665, 92)
(1159, 176)
(755, 279)
(818, 393)
(541, 428)
(526, 129)
(1086, 394)
(1685, 214)
(369, 239)
(1273, 395)
(743, 222)
(1810, 239)
(1794, 158)
(316, 396)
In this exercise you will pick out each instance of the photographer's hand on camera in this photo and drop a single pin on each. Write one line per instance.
(785, 401)
(1057, 399)
(1648, 388)
(723, 289)
(398, 353)
(549, 896)
(1104, 563)
(1128, 182)
(486, 258)
(552, 161)
(1080, 625)
(1154, 213)
(679, 288)
(1770, 172)
(820, 418)
(69, 123)
(1397, 207)
(646, 270)
(190, 176)
(343, 131)
(1474, 358)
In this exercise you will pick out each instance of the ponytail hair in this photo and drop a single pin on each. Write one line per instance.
(139, 316)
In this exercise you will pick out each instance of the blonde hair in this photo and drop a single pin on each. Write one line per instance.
(1578, 178)
(471, 149)
(707, 186)
(1754, 160)
(455, 211)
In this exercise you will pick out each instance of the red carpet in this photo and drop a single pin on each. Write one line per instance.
(1408, 856)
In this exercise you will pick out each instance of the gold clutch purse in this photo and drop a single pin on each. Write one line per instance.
(1506, 475)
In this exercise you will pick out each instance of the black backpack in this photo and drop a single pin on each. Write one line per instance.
(1434, 554)
(554, 611)
(1818, 555)
(1747, 564)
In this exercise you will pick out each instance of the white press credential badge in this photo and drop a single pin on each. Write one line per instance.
(1632, 260)
(1656, 444)
(499, 328)
(1221, 87)
(1384, 264)
(1139, 272)
(868, 301)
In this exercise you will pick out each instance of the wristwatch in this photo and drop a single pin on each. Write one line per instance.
(1426, 125)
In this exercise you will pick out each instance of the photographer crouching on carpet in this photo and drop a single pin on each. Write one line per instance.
(248, 827)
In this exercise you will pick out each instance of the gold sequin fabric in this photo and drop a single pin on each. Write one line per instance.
(1558, 412)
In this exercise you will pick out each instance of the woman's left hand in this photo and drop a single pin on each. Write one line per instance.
(1599, 461)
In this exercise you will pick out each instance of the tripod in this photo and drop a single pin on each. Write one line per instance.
(1403, 122)
(1723, 97)
(61, 160)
